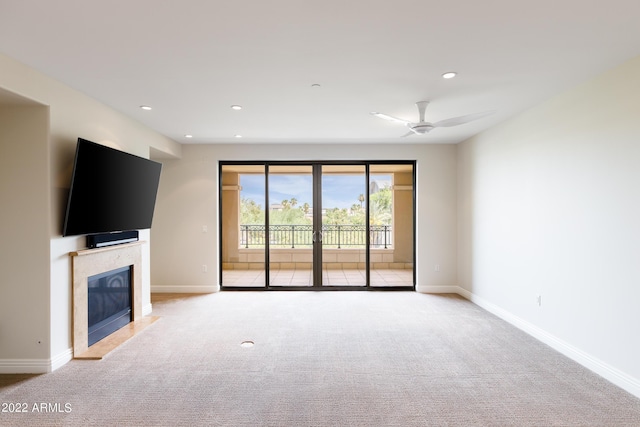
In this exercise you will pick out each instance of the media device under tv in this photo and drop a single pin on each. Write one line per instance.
(112, 195)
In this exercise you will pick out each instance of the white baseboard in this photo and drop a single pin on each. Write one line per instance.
(25, 366)
(185, 289)
(147, 309)
(61, 359)
(437, 289)
(617, 377)
(35, 366)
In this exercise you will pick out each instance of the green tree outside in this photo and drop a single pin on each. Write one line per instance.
(380, 212)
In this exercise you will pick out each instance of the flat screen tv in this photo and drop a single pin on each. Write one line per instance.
(111, 191)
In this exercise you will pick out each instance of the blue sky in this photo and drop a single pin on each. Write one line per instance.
(340, 191)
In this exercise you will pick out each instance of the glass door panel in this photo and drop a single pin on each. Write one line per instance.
(391, 228)
(243, 230)
(343, 232)
(290, 225)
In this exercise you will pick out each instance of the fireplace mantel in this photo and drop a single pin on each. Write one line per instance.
(90, 262)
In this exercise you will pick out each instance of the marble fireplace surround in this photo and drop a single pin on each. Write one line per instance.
(89, 262)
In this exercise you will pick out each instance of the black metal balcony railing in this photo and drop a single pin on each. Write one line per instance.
(301, 235)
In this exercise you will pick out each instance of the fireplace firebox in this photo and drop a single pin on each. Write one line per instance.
(109, 303)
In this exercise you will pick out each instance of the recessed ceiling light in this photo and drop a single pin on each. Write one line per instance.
(246, 344)
(236, 107)
(237, 136)
(188, 136)
(449, 75)
(145, 107)
(315, 85)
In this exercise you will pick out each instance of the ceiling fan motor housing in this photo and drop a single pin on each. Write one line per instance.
(422, 128)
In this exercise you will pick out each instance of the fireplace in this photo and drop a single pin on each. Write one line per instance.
(109, 303)
(124, 262)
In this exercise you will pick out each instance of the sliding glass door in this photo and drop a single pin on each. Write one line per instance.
(291, 226)
(317, 225)
(343, 225)
(391, 225)
(243, 226)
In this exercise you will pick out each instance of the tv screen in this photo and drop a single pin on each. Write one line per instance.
(110, 191)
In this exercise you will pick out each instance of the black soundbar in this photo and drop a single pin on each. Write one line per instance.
(109, 239)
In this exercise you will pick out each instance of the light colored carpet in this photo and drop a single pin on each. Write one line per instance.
(324, 359)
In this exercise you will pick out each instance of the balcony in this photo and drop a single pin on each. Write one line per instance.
(301, 236)
(291, 248)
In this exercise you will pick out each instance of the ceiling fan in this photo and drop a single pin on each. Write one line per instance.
(422, 127)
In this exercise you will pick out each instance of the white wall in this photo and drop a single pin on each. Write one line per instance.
(549, 205)
(188, 200)
(71, 115)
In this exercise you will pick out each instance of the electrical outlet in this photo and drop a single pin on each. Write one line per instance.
(205, 228)
(539, 299)
(204, 268)
(436, 267)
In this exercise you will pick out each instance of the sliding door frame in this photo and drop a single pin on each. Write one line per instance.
(317, 225)
(317, 213)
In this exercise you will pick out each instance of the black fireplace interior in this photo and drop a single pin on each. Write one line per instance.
(109, 302)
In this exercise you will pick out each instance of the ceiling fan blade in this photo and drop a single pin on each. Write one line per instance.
(455, 121)
(422, 107)
(389, 118)
(408, 134)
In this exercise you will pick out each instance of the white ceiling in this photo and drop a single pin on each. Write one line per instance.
(192, 59)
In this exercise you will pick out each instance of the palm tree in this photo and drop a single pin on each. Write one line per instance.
(361, 199)
(294, 202)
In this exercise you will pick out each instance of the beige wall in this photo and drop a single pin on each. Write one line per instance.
(71, 114)
(24, 227)
(230, 217)
(188, 200)
(403, 217)
(548, 205)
